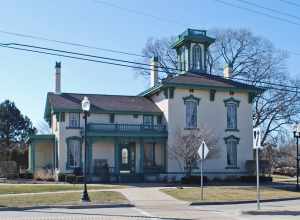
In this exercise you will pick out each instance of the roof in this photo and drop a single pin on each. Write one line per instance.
(192, 35)
(208, 81)
(71, 102)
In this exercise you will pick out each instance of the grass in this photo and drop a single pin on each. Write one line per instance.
(284, 179)
(67, 198)
(36, 188)
(229, 193)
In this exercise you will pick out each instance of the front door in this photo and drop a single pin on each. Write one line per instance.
(127, 158)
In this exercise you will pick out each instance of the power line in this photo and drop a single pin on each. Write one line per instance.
(258, 12)
(124, 61)
(138, 67)
(269, 9)
(290, 3)
(137, 12)
(34, 37)
(80, 54)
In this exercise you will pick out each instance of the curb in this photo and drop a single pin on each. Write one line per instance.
(87, 206)
(242, 202)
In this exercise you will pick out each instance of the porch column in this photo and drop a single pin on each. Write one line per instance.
(141, 156)
(32, 157)
(116, 156)
(165, 156)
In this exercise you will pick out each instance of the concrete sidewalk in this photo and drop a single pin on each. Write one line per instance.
(152, 202)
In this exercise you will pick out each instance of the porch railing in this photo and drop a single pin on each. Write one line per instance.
(122, 128)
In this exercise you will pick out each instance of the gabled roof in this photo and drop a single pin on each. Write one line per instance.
(71, 102)
(205, 81)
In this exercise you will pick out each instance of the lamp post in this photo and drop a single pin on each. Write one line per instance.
(86, 105)
(296, 131)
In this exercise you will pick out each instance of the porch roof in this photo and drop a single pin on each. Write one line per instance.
(42, 137)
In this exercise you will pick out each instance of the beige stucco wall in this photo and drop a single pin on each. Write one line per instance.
(43, 154)
(211, 115)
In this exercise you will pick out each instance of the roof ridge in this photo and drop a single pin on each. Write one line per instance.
(95, 94)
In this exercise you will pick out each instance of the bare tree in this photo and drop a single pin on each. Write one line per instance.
(185, 148)
(254, 59)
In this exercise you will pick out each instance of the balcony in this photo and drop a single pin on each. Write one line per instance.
(141, 130)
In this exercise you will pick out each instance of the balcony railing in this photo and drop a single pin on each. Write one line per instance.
(126, 128)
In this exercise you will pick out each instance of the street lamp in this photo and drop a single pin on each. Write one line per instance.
(85, 105)
(296, 131)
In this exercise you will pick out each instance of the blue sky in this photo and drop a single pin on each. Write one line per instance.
(26, 78)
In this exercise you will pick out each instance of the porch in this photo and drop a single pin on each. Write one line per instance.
(126, 152)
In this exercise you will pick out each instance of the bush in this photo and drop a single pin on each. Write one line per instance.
(252, 179)
(61, 177)
(70, 178)
(264, 167)
(26, 175)
(43, 174)
(79, 179)
(193, 180)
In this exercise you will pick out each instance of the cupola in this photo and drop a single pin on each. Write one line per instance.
(191, 47)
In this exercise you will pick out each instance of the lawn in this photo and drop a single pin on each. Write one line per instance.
(62, 198)
(229, 193)
(35, 188)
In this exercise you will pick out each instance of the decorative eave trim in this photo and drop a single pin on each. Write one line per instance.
(232, 100)
(231, 137)
(55, 110)
(155, 89)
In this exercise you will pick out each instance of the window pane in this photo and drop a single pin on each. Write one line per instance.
(191, 114)
(74, 120)
(74, 153)
(232, 153)
(148, 121)
(149, 158)
(197, 57)
(124, 156)
(231, 116)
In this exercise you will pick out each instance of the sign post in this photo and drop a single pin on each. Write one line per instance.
(257, 146)
(202, 152)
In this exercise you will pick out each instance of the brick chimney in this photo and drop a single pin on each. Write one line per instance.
(58, 77)
(154, 71)
(228, 71)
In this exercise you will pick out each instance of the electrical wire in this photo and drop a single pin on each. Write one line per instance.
(8, 45)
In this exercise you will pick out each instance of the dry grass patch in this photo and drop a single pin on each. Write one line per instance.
(36, 188)
(229, 193)
(68, 198)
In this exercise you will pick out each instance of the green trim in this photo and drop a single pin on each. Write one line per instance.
(212, 94)
(232, 129)
(127, 134)
(155, 89)
(32, 157)
(191, 97)
(116, 156)
(231, 137)
(90, 142)
(141, 156)
(232, 100)
(171, 92)
(36, 137)
(68, 167)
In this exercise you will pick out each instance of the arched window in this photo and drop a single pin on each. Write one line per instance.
(124, 156)
(182, 59)
(231, 148)
(197, 57)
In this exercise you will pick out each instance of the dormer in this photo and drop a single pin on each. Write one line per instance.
(191, 47)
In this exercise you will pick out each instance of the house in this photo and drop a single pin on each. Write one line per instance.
(130, 137)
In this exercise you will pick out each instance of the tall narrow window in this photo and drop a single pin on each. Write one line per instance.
(231, 105)
(74, 120)
(191, 104)
(231, 147)
(74, 152)
(197, 57)
(124, 156)
(182, 59)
